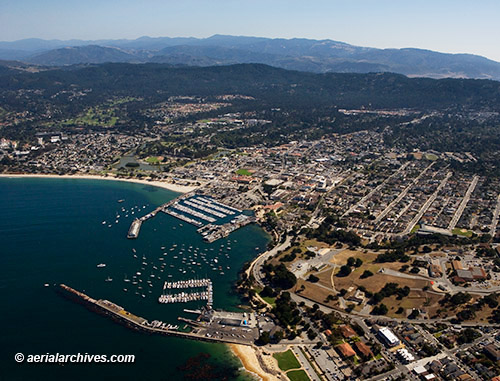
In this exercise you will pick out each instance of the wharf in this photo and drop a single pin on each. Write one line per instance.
(120, 315)
(212, 233)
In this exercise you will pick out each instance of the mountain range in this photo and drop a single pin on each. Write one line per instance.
(318, 56)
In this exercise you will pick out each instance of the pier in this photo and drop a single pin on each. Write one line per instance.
(135, 227)
(183, 217)
(200, 330)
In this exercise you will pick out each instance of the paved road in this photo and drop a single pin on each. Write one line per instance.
(255, 267)
(375, 190)
(426, 205)
(494, 221)
(401, 195)
(463, 204)
(307, 367)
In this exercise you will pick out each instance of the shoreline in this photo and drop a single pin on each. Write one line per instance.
(156, 183)
(248, 357)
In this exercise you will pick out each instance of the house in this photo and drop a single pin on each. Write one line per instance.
(492, 352)
(363, 349)
(347, 331)
(345, 350)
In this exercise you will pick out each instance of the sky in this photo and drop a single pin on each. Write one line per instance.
(454, 26)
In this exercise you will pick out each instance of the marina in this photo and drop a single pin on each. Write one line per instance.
(192, 208)
(184, 297)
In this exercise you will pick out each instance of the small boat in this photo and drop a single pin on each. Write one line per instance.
(101, 265)
(104, 222)
(46, 285)
(120, 201)
(109, 279)
(125, 290)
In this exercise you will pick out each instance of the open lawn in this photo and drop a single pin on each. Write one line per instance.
(416, 299)
(315, 292)
(431, 157)
(297, 375)
(462, 232)
(341, 258)
(243, 172)
(287, 360)
(153, 160)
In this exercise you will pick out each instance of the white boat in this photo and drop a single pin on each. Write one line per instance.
(109, 279)
(101, 265)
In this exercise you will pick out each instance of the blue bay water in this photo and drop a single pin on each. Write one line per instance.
(52, 231)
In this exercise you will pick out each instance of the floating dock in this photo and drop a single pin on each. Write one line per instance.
(187, 210)
(184, 297)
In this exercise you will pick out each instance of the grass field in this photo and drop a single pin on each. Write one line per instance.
(287, 360)
(152, 160)
(94, 117)
(297, 375)
(431, 157)
(243, 172)
(462, 232)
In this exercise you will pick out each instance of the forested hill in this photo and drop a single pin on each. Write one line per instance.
(278, 87)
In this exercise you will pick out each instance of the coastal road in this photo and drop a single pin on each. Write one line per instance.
(256, 265)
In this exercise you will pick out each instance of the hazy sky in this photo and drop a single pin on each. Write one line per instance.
(457, 26)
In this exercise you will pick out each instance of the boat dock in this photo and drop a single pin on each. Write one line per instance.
(205, 209)
(217, 203)
(187, 210)
(184, 297)
(204, 332)
(211, 205)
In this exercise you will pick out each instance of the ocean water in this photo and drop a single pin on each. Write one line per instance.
(57, 231)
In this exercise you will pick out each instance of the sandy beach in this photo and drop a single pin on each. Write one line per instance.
(248, 357)
(156, 183)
